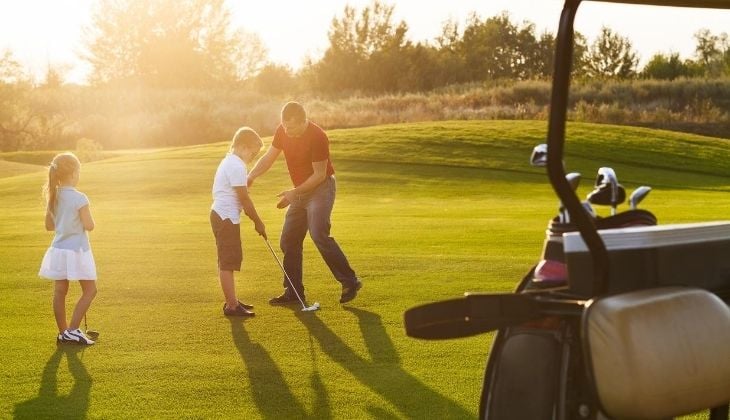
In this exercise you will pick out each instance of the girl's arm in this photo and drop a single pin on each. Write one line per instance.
(50, 223)
(86, 219)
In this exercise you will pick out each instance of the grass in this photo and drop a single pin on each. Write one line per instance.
(424, 212)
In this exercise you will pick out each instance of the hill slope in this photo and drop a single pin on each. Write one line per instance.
(424, 212)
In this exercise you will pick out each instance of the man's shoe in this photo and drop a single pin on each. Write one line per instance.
(237, 311)
(245, 305)
(349, 293)
(284, 299)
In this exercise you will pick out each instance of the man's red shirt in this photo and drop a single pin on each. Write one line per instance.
(299, 152)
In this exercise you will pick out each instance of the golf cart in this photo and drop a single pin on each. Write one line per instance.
(637, 327)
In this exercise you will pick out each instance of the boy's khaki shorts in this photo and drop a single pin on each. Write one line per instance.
(228, 242)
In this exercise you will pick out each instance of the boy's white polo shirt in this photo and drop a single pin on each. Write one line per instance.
(231, 173)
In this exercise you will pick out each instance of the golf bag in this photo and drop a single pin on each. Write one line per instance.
(534, 361)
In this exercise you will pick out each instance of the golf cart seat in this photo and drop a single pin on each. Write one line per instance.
(658, 353)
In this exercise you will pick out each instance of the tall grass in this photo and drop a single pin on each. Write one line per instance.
(134, 118)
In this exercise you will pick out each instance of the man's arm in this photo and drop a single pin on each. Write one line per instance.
(319, 174)
(263, 164)
(250, 210)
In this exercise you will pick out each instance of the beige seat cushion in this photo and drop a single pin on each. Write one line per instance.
(659, 352)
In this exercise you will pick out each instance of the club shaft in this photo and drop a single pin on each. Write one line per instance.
(276, 257)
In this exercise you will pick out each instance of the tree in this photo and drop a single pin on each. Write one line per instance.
(168, 43)
(364, 52)
(611, 56)
(54, 77)
(496, 48)
(669, 67)
(275, 79)
(490, 48)
(713, 53)
(16, 117)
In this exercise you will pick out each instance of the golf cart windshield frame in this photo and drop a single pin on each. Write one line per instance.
(556, 128)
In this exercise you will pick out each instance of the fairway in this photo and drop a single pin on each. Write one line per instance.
(424, 212)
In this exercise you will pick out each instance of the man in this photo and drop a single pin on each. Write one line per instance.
(306, 150)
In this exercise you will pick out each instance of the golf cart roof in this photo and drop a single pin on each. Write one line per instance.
(707, 4)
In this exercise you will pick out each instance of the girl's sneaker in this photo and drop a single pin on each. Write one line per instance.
(76, 336)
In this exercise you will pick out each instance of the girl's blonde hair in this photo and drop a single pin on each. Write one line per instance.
(62, 167)
(246, 136)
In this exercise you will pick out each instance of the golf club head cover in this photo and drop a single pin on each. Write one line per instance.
(636, 217)
(601, 195)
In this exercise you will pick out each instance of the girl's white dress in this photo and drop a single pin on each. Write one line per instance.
(69, 257)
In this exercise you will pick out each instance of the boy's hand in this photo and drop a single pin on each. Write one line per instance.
(260, 229)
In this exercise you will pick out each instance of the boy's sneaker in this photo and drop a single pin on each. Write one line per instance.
(284, 299)
(239, 310)
(76, 337)
(245, 305)
(349, 293)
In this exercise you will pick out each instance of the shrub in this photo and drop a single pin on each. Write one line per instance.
(88, 150)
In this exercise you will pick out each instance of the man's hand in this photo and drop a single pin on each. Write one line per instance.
(249, 181)
(287, 197)
(283, 203)
(260, 229)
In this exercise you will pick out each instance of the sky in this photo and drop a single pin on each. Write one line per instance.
(50, 31)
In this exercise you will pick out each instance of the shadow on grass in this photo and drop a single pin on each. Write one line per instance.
(383, 372)
(49, 404)
(270, 391)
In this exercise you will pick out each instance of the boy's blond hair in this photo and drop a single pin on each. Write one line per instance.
(246, 137)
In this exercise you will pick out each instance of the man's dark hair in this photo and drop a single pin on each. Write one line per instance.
(293, 110)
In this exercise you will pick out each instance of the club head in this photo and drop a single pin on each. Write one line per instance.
(92, 334)
(312, 308)
(573, 179)
(539, 155)
(606, 175)
(638, 195)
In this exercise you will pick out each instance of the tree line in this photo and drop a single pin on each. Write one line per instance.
(144, 48)
(168, 43)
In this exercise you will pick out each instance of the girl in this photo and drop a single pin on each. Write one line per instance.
(69, 257)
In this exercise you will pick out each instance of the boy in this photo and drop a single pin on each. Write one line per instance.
(230, 196)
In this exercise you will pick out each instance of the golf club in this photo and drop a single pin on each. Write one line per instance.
(573, 179)
(305, 308)
(589, 209)
(607, 175)
(637, 195)
(539, 155)
(93, 334)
